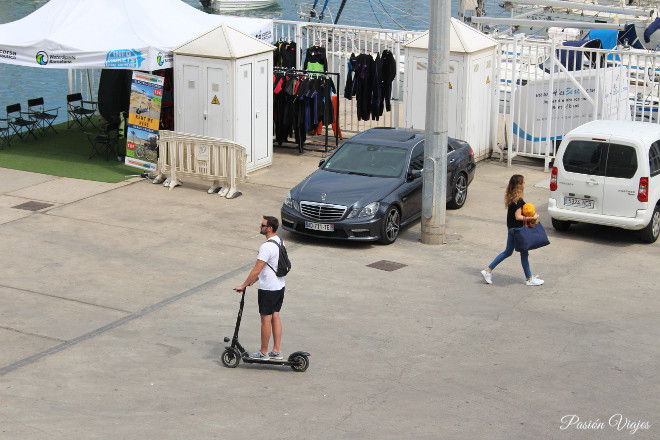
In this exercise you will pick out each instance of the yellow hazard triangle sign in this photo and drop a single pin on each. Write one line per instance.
(215, 100)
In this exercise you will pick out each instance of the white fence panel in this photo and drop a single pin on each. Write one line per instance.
(85, 81)
(546, 89)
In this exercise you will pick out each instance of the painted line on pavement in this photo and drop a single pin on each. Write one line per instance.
(118, 323)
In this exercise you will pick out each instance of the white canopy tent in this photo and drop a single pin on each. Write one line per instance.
(107, 34)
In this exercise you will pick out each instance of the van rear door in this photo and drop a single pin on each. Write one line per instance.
(622, 173)
(580, 179)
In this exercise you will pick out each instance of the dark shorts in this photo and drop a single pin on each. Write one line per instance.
(270, 301)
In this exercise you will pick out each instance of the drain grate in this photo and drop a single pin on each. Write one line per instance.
(33, 206)
(388, 266)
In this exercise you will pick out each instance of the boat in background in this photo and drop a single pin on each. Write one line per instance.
(533, 17)
(383, 14)
(237, 5)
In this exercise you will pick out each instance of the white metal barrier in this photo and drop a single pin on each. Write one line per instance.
(185, 155)
(546, 89)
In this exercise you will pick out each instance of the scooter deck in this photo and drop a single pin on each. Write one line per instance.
(248, 359)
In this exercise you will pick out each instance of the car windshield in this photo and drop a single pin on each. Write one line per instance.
(368, 160)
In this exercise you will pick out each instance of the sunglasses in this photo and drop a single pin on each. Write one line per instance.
(263, 226)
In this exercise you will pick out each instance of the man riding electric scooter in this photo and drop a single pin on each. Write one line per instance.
(271, 266)
(271, 289)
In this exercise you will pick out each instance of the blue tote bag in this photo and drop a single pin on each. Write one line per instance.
(526, 238)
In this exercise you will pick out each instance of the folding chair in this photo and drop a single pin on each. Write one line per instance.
(44, 118)
(80, 111)
(5, 133)
(21, 126)
(105, 140)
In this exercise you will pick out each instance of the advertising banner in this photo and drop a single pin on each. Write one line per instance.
(143, 121)
(607, 87)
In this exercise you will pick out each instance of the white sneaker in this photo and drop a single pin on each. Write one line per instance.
(538, 279)
(534, 282)
(487, 276)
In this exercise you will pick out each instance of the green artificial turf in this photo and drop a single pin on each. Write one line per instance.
(65, 154)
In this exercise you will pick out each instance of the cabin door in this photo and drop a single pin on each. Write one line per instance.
(217, 103)
(245, 109)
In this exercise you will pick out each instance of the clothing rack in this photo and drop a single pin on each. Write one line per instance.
(312, 146)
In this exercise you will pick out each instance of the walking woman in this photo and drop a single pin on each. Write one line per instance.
(513, 200)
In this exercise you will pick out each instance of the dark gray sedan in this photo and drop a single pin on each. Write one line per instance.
(371, 187)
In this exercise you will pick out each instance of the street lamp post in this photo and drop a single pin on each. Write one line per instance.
(434, 196)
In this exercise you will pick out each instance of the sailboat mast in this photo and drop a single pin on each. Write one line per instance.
(341, 8)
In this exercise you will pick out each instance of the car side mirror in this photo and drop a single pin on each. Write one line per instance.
(414, 174)
(321, 162)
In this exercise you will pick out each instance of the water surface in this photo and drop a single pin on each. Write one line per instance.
(19, 83)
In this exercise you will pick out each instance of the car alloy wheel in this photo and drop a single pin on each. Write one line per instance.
(390, 225)
(651, 232)
(459, 194)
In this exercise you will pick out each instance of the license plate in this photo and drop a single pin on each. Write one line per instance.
(578, 203)
(320, 226)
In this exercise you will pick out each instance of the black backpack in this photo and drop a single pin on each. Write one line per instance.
(283, 262)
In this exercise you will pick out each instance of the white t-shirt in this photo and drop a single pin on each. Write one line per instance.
(270, 253)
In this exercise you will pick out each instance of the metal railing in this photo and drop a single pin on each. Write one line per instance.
(546, 89)
(542, 89)
(340, 42)
(85, 81)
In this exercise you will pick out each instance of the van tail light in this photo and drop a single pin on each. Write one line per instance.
(553, 179)
(643, 192)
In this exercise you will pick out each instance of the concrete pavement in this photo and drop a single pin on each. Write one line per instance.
(115, 299)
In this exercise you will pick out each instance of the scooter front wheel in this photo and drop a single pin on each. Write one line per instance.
(299, 363)
(230, 359)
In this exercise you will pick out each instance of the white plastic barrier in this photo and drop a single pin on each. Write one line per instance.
(188, 155)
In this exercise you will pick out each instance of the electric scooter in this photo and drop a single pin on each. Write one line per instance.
(231, 357)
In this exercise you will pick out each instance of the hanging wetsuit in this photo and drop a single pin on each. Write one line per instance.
(376, 71)
(327, 112)
(284, 54)
(350, 73)
(276, 54)
(387, 77)
(288, 54)
(363, 85)
(280, 102)
(315, 59)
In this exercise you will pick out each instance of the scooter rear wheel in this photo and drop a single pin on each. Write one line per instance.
(230, 359)
(299, 363)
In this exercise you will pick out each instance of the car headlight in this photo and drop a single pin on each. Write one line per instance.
(290, 202)
(370, 210)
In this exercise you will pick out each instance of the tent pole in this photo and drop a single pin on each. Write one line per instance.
(89, 87)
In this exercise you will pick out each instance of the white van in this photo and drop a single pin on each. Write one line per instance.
(608, 173)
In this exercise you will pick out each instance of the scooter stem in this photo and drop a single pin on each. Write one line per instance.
(238, 318)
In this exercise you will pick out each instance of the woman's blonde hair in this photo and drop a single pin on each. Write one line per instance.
(514, 191)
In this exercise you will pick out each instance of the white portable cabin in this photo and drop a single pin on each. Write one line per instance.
(470, 82)
(224, 89)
